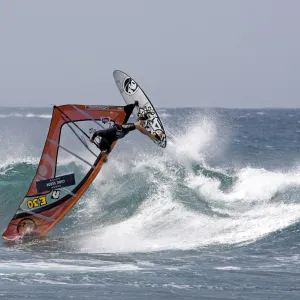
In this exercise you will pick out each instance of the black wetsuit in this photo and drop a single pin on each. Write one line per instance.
(108, 136)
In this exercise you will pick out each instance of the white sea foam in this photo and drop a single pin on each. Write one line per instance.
(11, 161)
(164, 115)
(28, 267)
(228, 268)
(28, 115)
(43, 116)
(162, 221)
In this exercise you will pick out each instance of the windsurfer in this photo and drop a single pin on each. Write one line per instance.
(108, 136)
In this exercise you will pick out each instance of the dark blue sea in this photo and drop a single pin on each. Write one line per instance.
(215, 215)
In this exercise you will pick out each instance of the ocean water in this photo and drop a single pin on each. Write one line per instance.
(215, 215)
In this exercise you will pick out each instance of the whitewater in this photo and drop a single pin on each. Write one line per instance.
(215, 215)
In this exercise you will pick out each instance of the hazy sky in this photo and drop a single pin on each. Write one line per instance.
(225, 53)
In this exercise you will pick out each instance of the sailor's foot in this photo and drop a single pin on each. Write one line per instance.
(158, 135)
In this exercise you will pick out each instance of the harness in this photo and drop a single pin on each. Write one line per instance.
(120, 133)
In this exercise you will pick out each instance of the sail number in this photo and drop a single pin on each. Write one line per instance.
(36, 202)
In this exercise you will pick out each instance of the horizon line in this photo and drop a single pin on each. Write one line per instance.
(162, 107)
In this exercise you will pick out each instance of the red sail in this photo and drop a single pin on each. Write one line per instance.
(40, 211)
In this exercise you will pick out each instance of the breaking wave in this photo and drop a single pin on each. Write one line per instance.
(169, 199)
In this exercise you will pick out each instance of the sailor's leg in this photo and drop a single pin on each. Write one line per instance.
(140, 123)
(129, 108)
(141, 129)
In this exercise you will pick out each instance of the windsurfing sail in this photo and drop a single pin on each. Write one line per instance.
(131, 92)
(59, 183)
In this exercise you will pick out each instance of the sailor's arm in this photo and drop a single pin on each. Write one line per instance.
(129, 107)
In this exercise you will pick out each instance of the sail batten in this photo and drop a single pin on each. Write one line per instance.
(37, 215)
(88, 116)
(81, 139)
(71, 152)
(82, 131)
